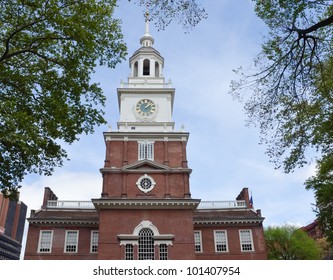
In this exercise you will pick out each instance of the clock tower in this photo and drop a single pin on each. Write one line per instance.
(146, 210)
(146, 100)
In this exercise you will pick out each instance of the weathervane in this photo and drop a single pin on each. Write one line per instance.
(147, 13)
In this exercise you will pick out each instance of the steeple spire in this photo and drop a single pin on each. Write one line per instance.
(147, 22)
(147, 40)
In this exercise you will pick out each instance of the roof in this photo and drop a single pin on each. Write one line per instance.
(64, 216)
(228, 216)
(90, 217)
(146, 50)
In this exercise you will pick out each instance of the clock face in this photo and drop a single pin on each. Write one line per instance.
(145, 108)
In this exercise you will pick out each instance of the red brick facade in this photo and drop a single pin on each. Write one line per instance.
(175, 227)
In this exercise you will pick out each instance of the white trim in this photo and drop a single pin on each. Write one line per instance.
(146, 224)
(158, 238)
(141, 179)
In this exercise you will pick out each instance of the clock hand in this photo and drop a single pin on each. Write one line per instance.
(149, 104)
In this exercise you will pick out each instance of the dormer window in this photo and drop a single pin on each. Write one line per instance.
(146, 67)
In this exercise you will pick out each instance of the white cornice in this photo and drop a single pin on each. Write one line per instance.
(106, 203)
(145, 170)
(48, 221)
(154, 136)
(228, 221)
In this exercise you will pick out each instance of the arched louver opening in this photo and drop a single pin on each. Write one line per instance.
(146, 67)
(157, 69)
(136, 69)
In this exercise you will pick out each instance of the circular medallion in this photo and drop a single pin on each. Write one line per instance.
(145, 183)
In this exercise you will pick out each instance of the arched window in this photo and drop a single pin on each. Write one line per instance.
(146, 67)
(136, 67)
(146, 245)
(157, 69)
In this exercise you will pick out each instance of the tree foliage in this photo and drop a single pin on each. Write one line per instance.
(163, 12)
(48, 51)
(290, 93)
(289, 243)
(322, 184)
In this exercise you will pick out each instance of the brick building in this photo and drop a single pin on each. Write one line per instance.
(12, 220)
(145, 210)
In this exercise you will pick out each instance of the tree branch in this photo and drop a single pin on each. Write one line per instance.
(304, 32)
(10, 37)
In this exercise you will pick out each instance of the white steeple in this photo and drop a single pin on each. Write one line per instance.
(146, 101)
(146, 63)
(147, 40)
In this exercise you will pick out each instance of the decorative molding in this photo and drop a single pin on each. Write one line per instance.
(153, 136)
(42, 221)
(105, 203)
(157, 237)
(224, 222)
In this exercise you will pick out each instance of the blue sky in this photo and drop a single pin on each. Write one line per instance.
(224, 154)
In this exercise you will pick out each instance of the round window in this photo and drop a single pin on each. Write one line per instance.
(146, 183)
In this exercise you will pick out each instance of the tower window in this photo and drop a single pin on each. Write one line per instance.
(146, 67)
(146, 150)
(146, 244)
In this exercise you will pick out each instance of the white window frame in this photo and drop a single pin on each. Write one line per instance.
(94, 241)
(70, 241)
(145, 150)
(221, 239)
(45, 241)
(198, 241)
(246, 242)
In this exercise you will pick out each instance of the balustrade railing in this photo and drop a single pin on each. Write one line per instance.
(70, 204)
(222, 204)
(89, 205)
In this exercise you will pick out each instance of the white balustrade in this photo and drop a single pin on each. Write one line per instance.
(89, 205)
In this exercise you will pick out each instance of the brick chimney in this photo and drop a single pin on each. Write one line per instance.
(48, 195)
(244, 195)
